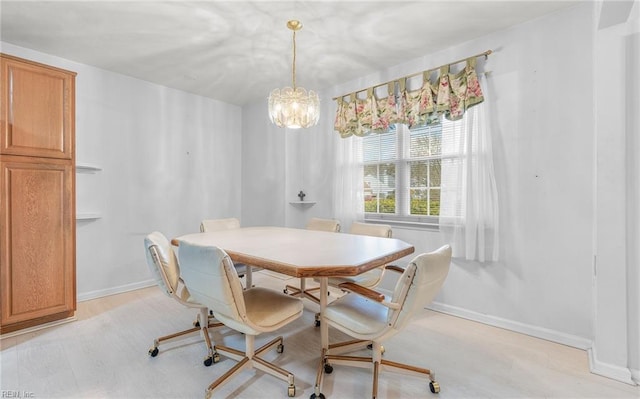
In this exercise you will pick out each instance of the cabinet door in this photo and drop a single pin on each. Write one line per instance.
(37, 241)
(37, 109)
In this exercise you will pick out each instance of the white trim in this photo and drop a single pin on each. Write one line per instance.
(115, 290)
(635, 375)
(38, 327)
(534, 331)
(612, 371)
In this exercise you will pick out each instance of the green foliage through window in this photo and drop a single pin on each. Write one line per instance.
(409, 173)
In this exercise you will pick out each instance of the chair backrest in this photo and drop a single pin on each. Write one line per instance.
(162, 262)
(212, 280)
(323, 225)
(419, 284)
(219, 224)
(369, 229)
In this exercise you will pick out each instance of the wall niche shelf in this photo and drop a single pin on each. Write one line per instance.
(303, 203)
(87, 168)
(85, 186)
(88, 216)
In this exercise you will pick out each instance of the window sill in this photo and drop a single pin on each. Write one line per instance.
(404, 223)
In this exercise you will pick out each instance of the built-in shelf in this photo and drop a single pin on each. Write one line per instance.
(88, 216)
(86, 187)
(86, 168)
(302, 203)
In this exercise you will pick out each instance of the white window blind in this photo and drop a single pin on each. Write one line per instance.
(402, 172)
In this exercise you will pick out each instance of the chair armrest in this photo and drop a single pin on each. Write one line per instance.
(394, 268)
(365, 292)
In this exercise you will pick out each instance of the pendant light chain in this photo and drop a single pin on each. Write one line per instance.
(294, 60)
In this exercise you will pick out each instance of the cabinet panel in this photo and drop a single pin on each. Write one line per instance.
(37, 109)
(37, 226)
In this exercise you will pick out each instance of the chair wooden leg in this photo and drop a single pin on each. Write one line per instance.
(244, 363)
(317, 389)
(250, 359)
(158, 341)
(377, 364)
(348, 346)
(211, 323)
(375, 380)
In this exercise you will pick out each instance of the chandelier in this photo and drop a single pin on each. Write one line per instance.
(294, 107)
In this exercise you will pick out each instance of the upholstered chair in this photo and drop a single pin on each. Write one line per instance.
(228, 224)
(212, 279)
(367, 315)
(163, 264)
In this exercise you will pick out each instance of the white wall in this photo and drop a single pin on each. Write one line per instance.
(543, 150)
(544, 143)
(633, 204)
(168, 159)
(278, 163)
(263, 173)
(616, 350)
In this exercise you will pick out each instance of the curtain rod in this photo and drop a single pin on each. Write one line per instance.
(485, 54)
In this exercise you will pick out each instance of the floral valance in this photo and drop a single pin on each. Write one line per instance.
(448, 95)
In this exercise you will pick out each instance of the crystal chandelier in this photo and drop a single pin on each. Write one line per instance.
(294, 107)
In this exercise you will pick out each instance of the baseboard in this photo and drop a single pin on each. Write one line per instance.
(86, 296)
(534, 331)
(37, 328)
(617, 373)
(635, 374)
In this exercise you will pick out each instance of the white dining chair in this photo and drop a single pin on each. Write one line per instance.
(212, 279)
(243, 270)
(163, 265)
(370, 316)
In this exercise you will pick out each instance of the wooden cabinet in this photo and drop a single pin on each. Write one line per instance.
(37, 204)
(37, 110)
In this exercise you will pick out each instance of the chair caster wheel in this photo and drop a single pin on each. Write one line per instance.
(153, 352)
(317, 323)
(286, 291)
(291, 391)
(434, 387)
(208, 361)
(215, 357)
(313, 396)
(280, 348)
(196, 324)
(328, 369)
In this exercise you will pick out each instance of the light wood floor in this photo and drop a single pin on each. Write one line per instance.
(104, 355)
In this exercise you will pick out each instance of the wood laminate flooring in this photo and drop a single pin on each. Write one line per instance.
(104, 355)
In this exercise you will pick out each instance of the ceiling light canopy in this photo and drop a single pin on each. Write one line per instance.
(294, 107)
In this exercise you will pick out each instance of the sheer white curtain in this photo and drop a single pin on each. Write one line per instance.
(348, 184)
(469, 198)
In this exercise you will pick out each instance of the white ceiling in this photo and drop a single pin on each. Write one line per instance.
(238, 51)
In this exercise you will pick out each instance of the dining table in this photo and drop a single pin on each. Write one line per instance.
(304, 253)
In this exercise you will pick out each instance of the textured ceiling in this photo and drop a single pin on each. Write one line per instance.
(238, 51)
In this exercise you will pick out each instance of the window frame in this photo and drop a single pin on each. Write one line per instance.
(402, 162)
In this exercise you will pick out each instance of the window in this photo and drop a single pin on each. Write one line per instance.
(402, 173)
